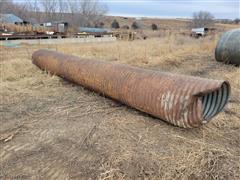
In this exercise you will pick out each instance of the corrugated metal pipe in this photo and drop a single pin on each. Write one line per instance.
(184, 101)
(228, 47)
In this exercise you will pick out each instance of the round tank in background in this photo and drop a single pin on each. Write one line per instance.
(228, 47)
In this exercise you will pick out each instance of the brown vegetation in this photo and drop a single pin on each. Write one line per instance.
(51, 128)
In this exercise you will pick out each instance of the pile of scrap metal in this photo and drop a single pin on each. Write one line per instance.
(13, 27)
(183, 101)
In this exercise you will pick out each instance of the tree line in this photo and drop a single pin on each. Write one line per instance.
(76, 12)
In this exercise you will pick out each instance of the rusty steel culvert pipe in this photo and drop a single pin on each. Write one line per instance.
(181, 100)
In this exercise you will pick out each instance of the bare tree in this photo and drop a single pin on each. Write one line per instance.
(33, 10)
(62, 8)
(76, 12)
(20, 10)
(86, 12)
(10, 7)
(49, 8)
(73, 9)
(1, 6)
(202, 19)
(73, 6)
(91, 11)
(6, 6)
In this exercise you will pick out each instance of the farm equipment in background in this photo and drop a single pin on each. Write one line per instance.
(125, 35)
(201, 32)
(13, 32)
(56, 27)
(50, 30)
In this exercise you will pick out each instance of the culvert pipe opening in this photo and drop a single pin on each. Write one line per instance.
(215, 101)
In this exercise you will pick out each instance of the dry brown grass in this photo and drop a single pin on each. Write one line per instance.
(51, 128)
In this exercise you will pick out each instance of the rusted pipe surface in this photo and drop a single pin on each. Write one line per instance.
(184, 101)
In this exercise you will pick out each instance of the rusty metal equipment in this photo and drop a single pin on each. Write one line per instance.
(184, 101)
(228, 47)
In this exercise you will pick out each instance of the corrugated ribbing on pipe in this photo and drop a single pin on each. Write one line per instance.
(184, 101)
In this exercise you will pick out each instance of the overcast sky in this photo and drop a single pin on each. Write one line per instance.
(224, 9)
(173, 8)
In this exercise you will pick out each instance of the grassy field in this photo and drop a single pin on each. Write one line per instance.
(54, 129)
(163, 23)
